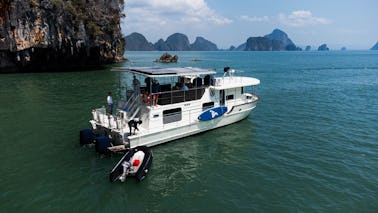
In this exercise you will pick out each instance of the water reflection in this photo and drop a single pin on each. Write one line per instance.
(194, 158)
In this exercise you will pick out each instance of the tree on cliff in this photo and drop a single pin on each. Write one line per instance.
(47, 35)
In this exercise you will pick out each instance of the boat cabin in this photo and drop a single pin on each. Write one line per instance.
(167, 85)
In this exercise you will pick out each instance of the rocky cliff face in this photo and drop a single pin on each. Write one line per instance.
(50, 35)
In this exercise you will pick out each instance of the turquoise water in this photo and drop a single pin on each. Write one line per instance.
(310, 145)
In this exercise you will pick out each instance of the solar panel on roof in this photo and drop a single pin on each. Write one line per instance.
(155, 71)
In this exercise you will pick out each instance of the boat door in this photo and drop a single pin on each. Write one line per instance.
(221, 97)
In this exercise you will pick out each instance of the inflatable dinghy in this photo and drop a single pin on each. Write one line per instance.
(135, 163)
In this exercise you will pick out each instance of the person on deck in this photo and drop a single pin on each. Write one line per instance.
(155, 92)
(184, 87)
(136, 85)
(148, 83)
(146, 97)
(134, 124)
(109, 100)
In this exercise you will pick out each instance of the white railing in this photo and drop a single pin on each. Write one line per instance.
(108, 121)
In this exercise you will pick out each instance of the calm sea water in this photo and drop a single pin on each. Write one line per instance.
(311, 145)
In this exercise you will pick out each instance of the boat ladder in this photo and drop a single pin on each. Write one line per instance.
(131, 107)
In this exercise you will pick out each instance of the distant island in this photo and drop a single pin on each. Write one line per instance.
(175, 42)
(275, 41)
(323, 47)
(167, 58)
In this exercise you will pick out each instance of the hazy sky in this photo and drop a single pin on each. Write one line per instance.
(349, 23)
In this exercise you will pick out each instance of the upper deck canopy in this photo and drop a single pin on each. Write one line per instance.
(234, 82)
(165, 72)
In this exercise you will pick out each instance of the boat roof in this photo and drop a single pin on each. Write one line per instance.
(165, 72)
(234, 82)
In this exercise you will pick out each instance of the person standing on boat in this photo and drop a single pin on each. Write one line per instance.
(184, 87)
(155, 92)
(146, 97)
(136, 85)
(148, 83)
(212, 80)
(109, 100)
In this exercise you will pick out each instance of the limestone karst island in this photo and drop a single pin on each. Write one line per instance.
(54, 35)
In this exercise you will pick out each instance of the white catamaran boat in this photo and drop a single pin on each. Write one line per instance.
(172, 103)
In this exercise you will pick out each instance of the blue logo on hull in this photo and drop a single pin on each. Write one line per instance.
(212, 113)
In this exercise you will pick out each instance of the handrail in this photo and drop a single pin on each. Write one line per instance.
(133, 108)
(178, 96)
(135, 113)
(131, 99)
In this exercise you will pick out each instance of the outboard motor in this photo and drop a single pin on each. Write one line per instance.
(102, 144)
(126, 168)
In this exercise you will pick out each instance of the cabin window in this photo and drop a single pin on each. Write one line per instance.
(207, 105)
(229, 97)
(242, 90)
(172, 115)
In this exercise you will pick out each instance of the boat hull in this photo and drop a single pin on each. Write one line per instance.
(237, 113)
